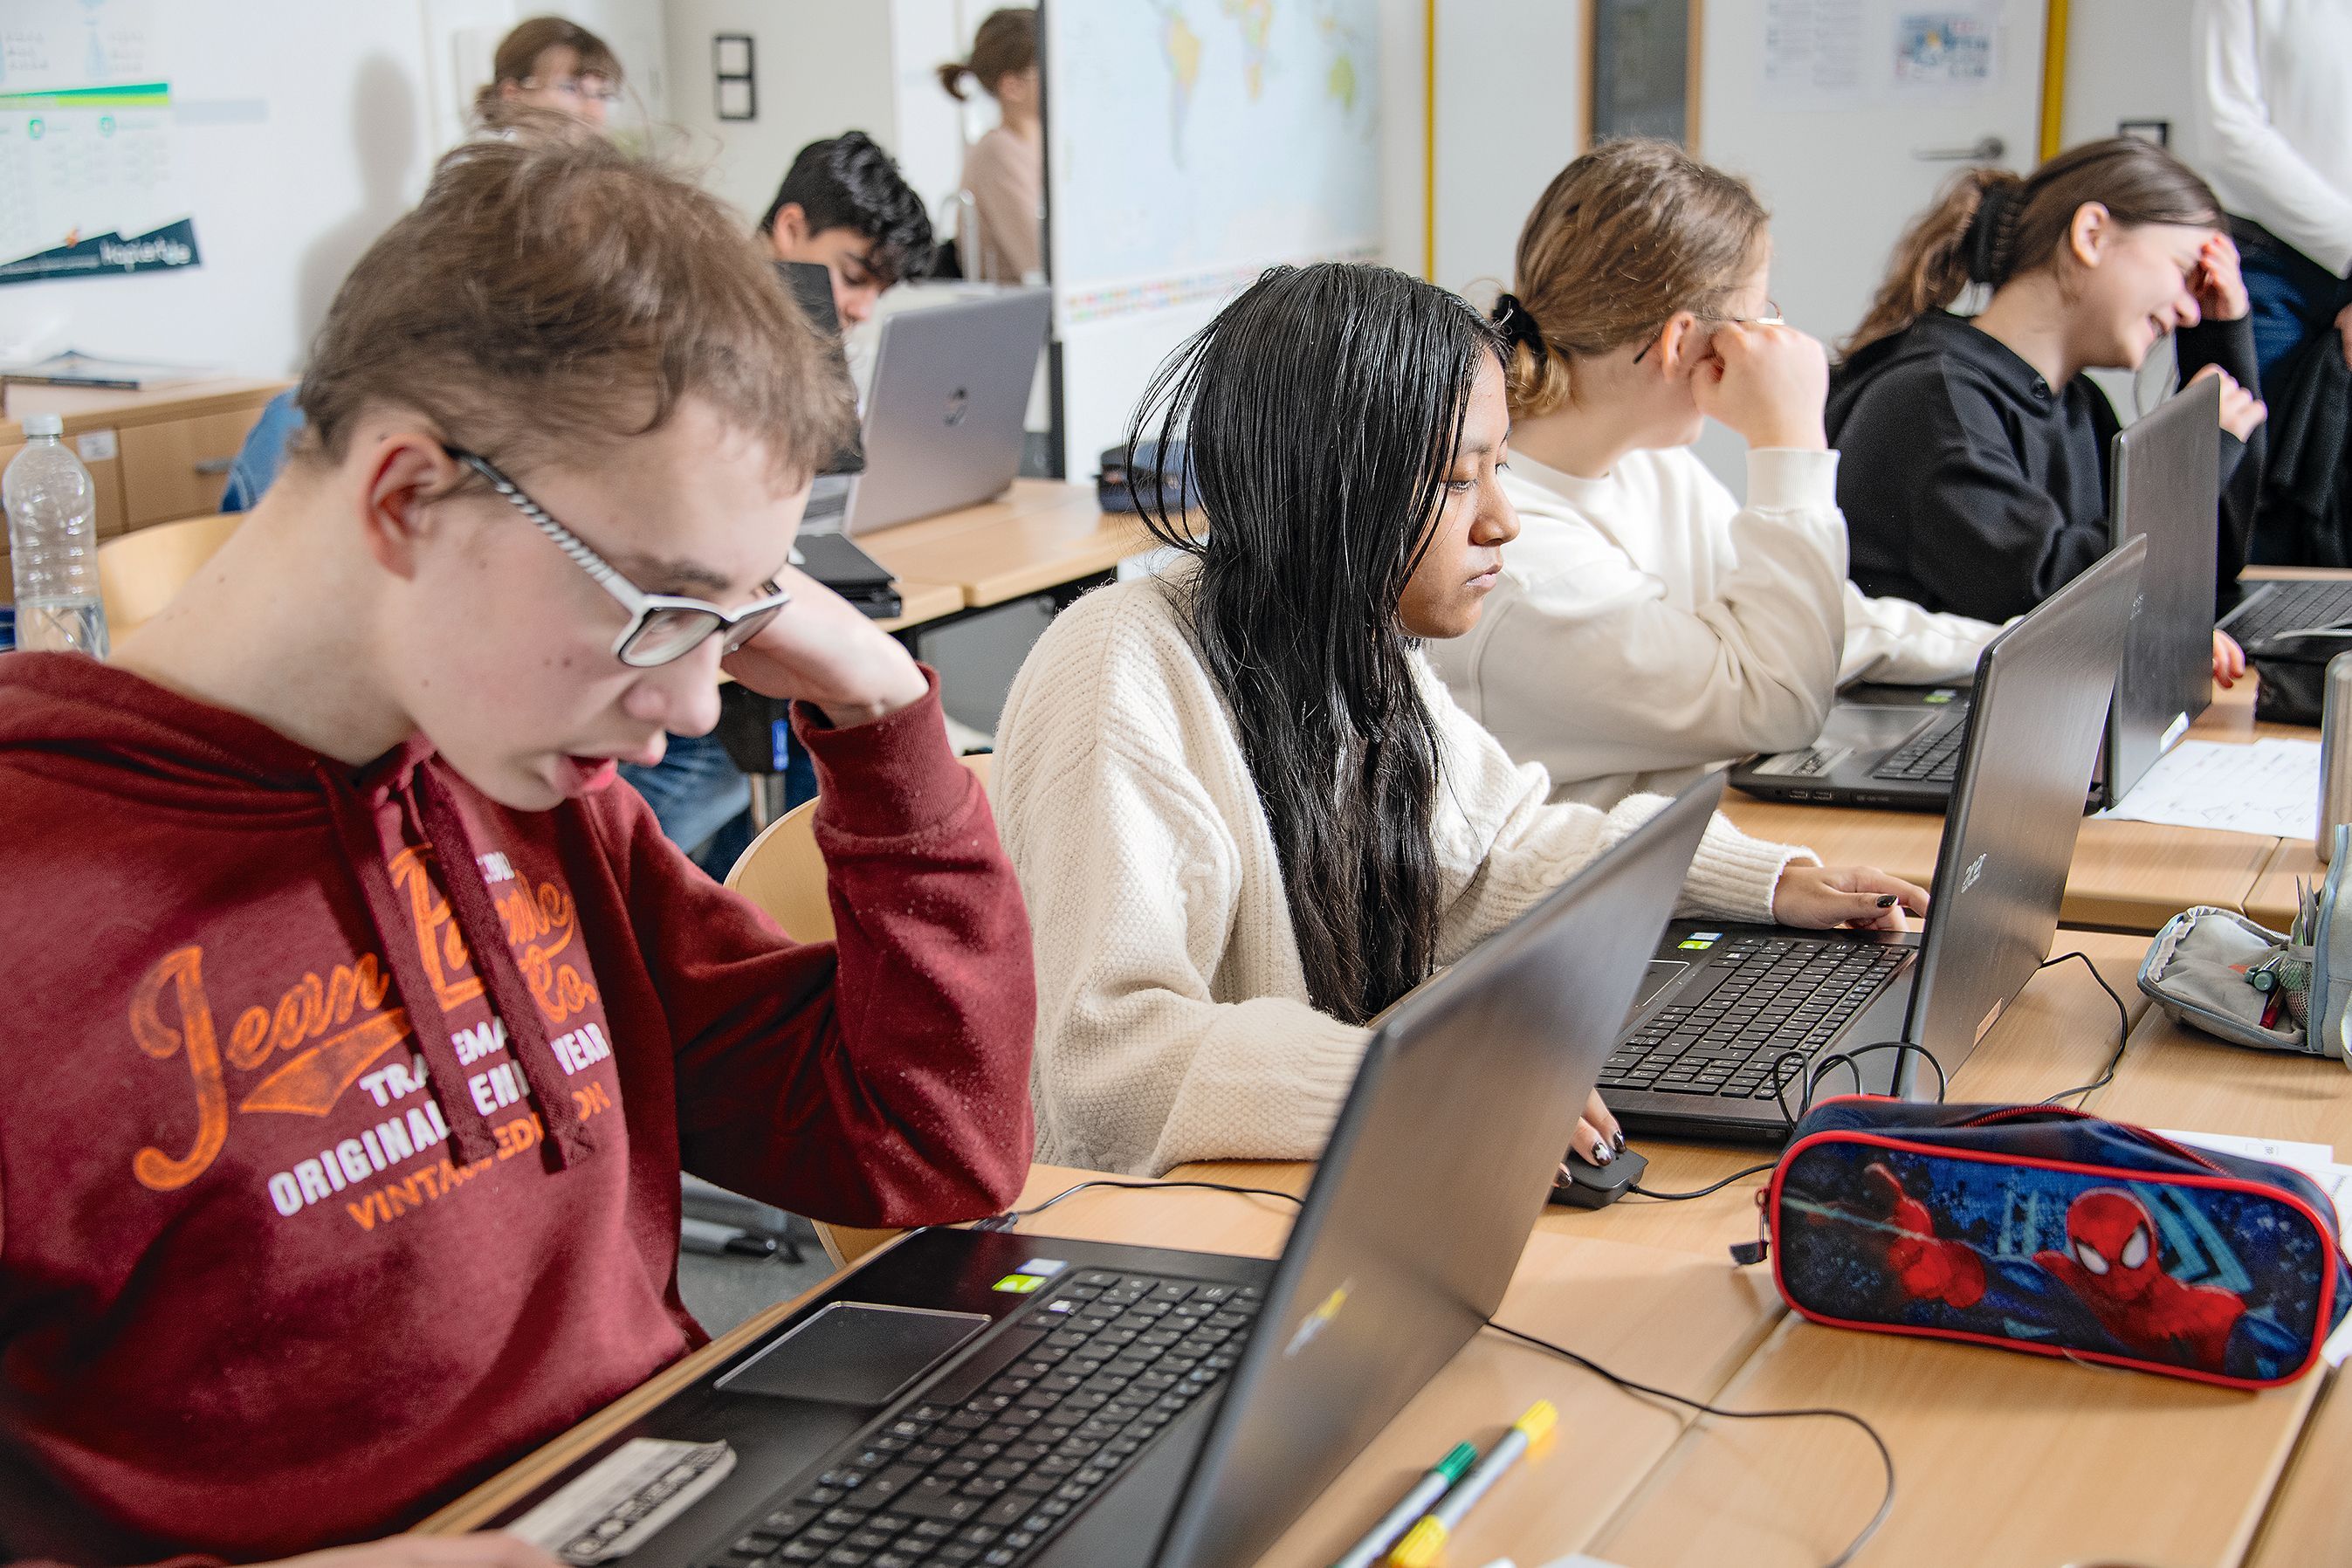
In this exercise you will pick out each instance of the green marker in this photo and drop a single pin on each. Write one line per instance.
(1426, 1490)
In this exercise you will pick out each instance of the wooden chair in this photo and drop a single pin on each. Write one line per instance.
(784, 873)
(138, 572)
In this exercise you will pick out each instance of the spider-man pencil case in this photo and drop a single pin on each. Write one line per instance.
(2039, 1228)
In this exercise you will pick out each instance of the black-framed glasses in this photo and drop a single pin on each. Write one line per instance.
(663, 627)
(1771, 318)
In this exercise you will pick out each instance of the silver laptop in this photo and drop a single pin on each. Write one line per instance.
(944, 411)
(972, 1397)
(1899, 746)
(1734, 1019)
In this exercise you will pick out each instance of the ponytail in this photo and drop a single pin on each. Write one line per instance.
(1967, 236)
(1991, 226)
(1622, 239)
(1006, 42)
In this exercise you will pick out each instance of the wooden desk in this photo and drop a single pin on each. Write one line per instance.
(921, 602)
(2001, 1459)
(155, 455)
(1042, 535)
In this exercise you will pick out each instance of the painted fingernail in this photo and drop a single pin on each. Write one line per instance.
(1601, 1151)
(1888, 900)
(1618, 1143)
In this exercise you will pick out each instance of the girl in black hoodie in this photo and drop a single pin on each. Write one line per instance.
(1974, 466)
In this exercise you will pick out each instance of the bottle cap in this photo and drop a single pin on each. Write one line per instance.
(44, 423)
(1421, 1545)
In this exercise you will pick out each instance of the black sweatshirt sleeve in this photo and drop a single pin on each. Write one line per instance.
(1941, 511)
(2229, 345)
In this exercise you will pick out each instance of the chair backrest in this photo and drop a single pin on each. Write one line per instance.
(784, 873)
(138, 572)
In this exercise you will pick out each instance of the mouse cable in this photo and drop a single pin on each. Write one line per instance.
(2123, 1031)
(1637, 1189)
(1012, 1217)
(1886, 1455)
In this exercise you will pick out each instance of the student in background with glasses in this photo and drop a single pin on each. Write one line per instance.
(357, 1022)
(552, 65)
(1647, 625)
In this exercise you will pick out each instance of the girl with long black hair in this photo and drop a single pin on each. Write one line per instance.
(1245, 814)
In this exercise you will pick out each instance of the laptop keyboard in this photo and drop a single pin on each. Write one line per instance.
(1781, 993)
(992, 1478)
(1932, 756)
(2292, 606)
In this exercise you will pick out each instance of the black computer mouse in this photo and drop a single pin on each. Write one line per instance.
(1591, 1186)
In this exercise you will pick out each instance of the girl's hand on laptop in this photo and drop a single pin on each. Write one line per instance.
(1822, 898)
(2228, 660)
(821, 650)
(2241, 411)
(489, 1550)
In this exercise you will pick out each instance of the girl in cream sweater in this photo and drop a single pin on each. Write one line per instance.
(1245, 814)
(1647, 626)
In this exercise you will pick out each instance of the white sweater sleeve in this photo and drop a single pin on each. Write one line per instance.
(2242, 153)
(1133, 882)
(1504, 844)
(1897, 641)
(1597, 671)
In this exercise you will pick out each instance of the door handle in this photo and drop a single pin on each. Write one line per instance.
(1988, 150)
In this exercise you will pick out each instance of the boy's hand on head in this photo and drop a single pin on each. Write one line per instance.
(2241, 411)
(2220, 288)
(1821, 898)
(820, 650)
(489, 1550)
(1766, 383)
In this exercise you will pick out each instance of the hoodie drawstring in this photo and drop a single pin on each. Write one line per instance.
(480, 926)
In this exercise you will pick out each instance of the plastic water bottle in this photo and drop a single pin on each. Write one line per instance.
(53, 543)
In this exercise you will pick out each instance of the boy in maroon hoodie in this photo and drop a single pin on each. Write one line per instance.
(355, 1028)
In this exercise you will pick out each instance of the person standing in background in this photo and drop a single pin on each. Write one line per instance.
(546, 71)
(552, 64)
(1005, 170)
(2273, 134)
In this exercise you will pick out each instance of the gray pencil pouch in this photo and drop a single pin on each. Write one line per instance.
(2197, 970)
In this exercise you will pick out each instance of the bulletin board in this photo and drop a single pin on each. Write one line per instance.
(1640, 70)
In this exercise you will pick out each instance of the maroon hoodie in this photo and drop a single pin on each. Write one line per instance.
(342, 1112)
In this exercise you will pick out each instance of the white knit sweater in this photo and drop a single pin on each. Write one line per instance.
(1649, 627)
(1173, 1019)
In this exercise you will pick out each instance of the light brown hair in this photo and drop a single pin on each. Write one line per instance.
(522, 49)
(1622, 239)
(2025, 222)
(549, 298)
(1006, 42)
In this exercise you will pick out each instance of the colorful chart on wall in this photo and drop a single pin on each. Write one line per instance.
(1196, 141)
(88, 184)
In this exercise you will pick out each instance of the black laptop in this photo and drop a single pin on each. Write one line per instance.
(1732, 1018)
(988, 1397)
(1899, 746)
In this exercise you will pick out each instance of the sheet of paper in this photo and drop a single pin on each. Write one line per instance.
(2271, 786)
(2301, 1156)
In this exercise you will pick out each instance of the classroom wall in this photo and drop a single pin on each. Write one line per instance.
(1510, 102)
(2127, 59)
(304, 131)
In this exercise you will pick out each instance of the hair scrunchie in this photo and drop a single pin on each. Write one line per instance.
(1517, 325)
(1983, 246)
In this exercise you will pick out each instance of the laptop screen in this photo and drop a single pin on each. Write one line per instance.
(2166, 485)
(2042, 695)
(1435, 1174)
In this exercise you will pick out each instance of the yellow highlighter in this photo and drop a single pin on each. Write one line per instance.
(1424, 1543)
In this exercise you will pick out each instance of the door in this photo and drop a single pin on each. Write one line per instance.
(1849, 115)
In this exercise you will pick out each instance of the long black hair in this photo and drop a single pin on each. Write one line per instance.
(1322, 411)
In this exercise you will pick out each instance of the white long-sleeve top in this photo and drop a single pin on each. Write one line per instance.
(2272, 126)
(1173, 1021)
(1648, 626)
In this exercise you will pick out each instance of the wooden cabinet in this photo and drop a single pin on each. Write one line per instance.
(156, 456)
(176, 468)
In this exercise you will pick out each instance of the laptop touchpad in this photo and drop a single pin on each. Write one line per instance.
(854, 1352)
